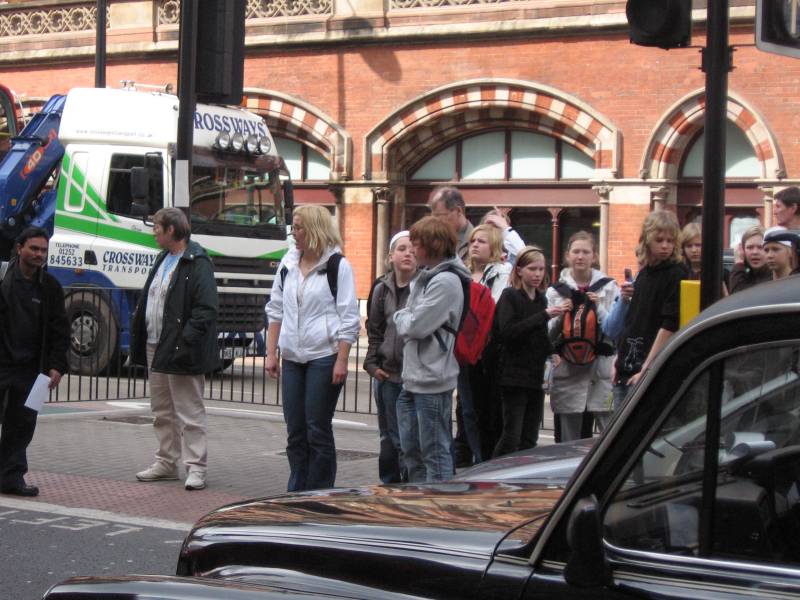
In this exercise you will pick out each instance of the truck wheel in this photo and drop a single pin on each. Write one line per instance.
(94, 333)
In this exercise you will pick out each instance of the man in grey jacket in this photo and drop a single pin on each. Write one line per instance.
(430, 371)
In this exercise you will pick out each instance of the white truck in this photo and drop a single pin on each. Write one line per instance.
(116, 171)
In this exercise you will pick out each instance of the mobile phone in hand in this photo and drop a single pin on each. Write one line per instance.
(628, 274)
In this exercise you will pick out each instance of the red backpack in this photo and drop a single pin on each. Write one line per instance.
(580, 340)
(477, 314)
(473, 336)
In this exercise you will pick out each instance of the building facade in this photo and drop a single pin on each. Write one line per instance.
(539, 106)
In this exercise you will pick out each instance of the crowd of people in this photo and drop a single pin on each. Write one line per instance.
(461, 311)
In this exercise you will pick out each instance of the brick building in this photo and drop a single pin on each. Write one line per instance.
(539, 105)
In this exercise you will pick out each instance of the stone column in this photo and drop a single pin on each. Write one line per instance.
(603, 191)
(382, 197)
(555, 267)
(769, 199)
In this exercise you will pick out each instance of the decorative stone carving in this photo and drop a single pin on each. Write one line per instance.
(169, 10)
(42, 20)
(396, 4)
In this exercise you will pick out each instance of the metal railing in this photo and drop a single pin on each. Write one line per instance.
(99, 370)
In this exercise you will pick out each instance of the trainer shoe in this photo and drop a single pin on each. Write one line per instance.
(158, 471)
(195, 480)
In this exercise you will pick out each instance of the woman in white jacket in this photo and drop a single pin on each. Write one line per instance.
(577, 388)
(313, 317)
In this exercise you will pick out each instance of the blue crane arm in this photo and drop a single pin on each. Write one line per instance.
(26, 169)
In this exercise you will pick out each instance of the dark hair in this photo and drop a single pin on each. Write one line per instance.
(451, 197)
(175, 218)
(790, 195)
(436, 236)
(32, 232)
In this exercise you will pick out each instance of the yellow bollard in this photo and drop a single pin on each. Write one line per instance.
(690, 300)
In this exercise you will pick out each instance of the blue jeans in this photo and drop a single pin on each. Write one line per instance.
(469, 415)
(425, 435)
(619, 392)
(390, 460)
(309, 401)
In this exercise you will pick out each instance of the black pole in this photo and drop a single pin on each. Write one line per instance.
(187, 51)
(100, 45)
(716, 64)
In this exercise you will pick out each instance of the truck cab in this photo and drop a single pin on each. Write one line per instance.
(118, 169)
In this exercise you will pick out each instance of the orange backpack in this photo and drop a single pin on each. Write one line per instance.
(581, 341)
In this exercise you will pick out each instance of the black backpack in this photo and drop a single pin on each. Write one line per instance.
(331, 270)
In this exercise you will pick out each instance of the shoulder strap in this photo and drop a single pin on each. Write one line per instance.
(283, 273)
(599, 284)
(372, 290)
(3, 269)
(332, 272)
(563, 289)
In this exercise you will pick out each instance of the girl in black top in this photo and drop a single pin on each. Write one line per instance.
(750, 268)
(520, 329)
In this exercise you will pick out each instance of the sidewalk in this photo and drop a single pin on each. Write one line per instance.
(85, 455)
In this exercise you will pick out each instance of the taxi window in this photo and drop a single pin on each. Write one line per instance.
(757, 499)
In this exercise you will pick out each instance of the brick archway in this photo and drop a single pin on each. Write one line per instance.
(290, 117)
(432, 120)
(679, 125)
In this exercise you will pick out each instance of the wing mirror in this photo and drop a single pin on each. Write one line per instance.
(587, 566)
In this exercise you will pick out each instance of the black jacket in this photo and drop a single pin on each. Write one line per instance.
(188, 343)
(385, 347)
(655, 305)
(744, 277)
(520, 334)
(54, 323)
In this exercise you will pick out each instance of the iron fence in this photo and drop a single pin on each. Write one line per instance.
(101, 370)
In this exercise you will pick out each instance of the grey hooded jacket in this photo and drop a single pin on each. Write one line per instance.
(436, 299)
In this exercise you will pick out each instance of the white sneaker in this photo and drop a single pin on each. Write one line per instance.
(158, 472)
(195, 480)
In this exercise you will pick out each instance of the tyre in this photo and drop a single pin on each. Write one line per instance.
(94, 332)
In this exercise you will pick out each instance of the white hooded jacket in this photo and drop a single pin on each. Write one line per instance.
(312, 324)
(576, 388)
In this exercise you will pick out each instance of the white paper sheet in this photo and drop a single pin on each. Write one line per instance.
(39, 393)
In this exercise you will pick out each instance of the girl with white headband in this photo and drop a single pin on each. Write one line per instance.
(384, 360)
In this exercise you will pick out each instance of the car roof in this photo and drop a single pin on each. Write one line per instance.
(782, 292)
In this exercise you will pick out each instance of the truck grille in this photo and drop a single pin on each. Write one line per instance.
(248, 273)
(241, 312)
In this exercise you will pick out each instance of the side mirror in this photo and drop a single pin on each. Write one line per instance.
(140, 183)
(587, 566)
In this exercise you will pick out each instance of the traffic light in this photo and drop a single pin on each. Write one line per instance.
(662, 23)
(219, 68)
(778, 26)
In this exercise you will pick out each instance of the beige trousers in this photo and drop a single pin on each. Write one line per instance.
(180, 417)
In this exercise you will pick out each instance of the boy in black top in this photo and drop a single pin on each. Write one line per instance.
(654, 301)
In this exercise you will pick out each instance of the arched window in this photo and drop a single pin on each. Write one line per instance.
(304, 163)
(543, 181)
(743, 200)
(740, 158)
(506, 155)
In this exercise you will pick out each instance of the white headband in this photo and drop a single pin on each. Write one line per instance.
(397, 236)
(775, 229)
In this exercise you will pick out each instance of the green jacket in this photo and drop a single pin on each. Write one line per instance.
(188, 343)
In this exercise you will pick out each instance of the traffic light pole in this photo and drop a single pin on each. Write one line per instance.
(100, 45)
(717, 61)
(187, 56)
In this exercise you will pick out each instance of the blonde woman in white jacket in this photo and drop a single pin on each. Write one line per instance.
(314, 322)
(576, 389)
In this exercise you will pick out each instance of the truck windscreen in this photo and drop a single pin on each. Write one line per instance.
(236, 195)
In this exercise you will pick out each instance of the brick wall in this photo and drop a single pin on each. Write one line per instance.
(359, 86)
